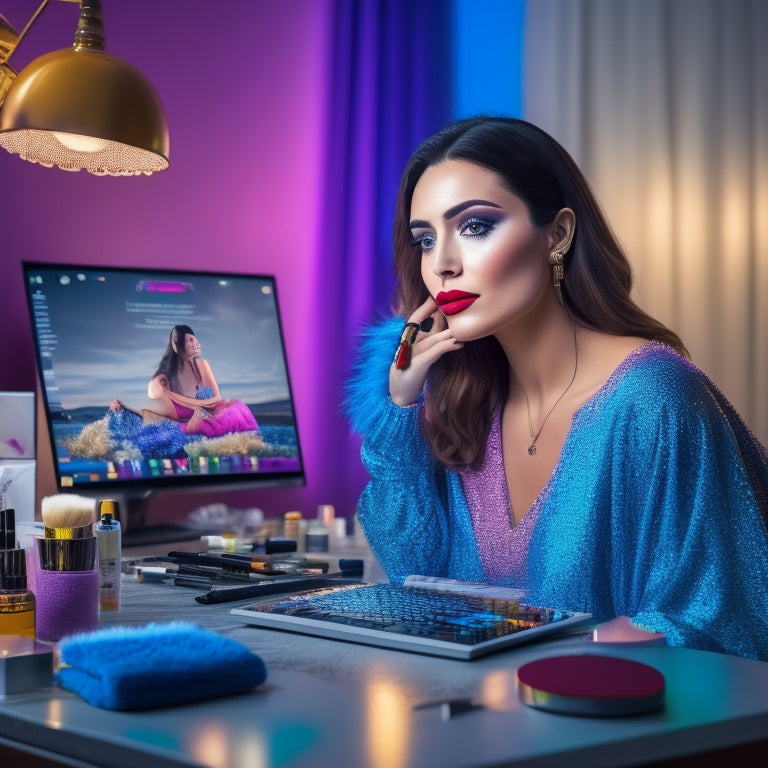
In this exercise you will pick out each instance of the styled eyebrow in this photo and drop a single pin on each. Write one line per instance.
(451, 212)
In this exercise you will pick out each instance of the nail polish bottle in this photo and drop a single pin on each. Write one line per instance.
(17, 603)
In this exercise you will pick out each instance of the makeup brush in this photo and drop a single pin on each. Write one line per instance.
(69, 543)
(67, 516)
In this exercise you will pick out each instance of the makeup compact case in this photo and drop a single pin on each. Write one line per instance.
(156, 665)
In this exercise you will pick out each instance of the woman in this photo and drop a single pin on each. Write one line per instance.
(544, 432)
(184, 390)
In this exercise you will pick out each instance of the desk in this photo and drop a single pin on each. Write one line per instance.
(329, 704)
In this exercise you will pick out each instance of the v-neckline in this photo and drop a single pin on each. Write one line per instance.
(500, 469)
(541, 495)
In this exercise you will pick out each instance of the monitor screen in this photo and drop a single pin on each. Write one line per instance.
(155, 379)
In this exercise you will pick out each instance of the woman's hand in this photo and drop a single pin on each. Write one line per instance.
(195, 422)
(406, 385)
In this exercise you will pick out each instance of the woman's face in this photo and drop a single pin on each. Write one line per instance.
(191, 346)
(483, 260)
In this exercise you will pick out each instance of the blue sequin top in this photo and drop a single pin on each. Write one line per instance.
(656, 509)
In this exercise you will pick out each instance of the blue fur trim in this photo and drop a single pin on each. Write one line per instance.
(367, 390)
(155, 665)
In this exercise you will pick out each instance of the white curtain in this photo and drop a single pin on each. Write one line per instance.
(664, 105)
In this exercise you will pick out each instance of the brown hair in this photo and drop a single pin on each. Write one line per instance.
(459, 404)
(172, 362)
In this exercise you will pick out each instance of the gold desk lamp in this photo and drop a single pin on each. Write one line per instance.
(81, 107)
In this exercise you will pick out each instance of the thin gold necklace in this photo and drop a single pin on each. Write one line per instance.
(534, 438)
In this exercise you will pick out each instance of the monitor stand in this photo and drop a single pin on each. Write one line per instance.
(161, 533)
(136, 531)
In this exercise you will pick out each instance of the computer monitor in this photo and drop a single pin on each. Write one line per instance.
(155, 379)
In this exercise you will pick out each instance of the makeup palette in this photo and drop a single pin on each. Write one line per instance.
(591, 685)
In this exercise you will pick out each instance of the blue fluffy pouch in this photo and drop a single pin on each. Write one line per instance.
(155, 665)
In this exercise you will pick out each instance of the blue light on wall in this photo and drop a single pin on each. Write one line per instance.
(488, 57)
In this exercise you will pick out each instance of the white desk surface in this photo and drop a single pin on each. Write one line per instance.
(333, 704)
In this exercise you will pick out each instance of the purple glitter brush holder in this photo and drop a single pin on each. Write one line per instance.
(67, 602)
(66, 588)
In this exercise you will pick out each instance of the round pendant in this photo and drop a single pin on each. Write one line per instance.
(531, 450)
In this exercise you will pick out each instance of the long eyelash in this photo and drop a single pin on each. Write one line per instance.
(418, 242)
(487, 223)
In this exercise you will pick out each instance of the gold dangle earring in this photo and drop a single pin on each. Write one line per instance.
(556, 260)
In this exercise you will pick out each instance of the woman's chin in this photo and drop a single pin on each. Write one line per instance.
(464, 329)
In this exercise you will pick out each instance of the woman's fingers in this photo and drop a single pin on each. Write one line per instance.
(425, 340)
(420, 321)
(426, 310)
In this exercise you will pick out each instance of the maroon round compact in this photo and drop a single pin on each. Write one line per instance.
(591, 686)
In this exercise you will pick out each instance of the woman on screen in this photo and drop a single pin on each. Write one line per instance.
(543, 431)
(184, 390)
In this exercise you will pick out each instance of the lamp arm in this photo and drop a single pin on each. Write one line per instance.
(10, 39)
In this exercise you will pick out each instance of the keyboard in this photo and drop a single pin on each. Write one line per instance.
(430, 621)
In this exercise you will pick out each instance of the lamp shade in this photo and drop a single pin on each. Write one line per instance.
(83, 108)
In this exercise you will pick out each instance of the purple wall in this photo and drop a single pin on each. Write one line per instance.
(243, 84)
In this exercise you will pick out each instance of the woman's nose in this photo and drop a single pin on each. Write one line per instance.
(447, 262)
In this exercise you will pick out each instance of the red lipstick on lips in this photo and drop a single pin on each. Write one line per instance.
(453, 302)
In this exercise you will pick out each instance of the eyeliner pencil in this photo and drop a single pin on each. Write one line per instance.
(351, 573)
(261, 588)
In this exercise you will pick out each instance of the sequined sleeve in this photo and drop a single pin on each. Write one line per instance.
(701, 576)
(412, 510)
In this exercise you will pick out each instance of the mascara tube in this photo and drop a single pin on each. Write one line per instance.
(108, 535)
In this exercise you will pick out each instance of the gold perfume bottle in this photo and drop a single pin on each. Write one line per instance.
(17, 603)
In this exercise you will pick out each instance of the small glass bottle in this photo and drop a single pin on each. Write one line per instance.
(291, 525)
(319, 531)
(326, 514)
(317, 537)
(17, 603)
(108, 533)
